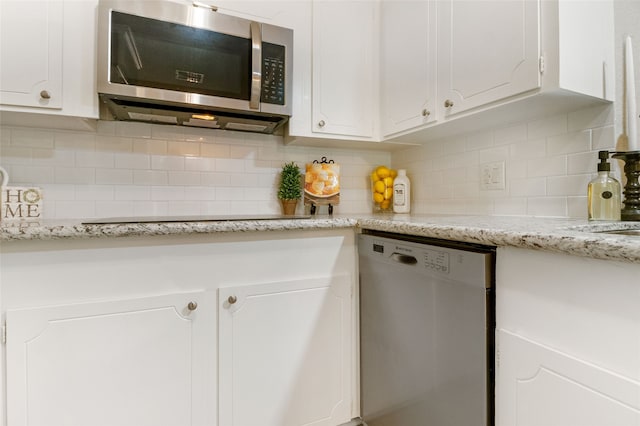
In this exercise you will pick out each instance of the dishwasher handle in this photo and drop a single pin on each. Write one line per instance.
(404, 258)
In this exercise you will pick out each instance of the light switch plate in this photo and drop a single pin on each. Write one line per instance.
(492, 175)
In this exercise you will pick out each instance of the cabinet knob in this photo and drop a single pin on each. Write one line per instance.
(321, 123)
(45, 95)
(232, 300)
(448, 103)
(192, 306)
(426, 113)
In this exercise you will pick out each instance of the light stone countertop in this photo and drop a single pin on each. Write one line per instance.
(571, 236)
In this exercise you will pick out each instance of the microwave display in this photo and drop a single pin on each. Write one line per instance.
(164, 55)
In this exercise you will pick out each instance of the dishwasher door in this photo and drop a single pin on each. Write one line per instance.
(426, 333)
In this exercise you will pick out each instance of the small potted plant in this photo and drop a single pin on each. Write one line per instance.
(290, 190)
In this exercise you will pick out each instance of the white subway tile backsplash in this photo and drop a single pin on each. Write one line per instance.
(229, 165)
(94, 159)
(32, 138)
(534, 148)
(604, 138)
(510, 134)
(200, 164)
(95, 192)
(547, 206)
(143, 169)
(113, 208)
(113, 143)
(74, 175)
(528, 187)
(132, 192)
(133, 129)
(573, 185)
(184, 178)
(146, 146)
(183, 148)
(167, 162)
(590, 118)
(569, 143)
(170, 133)
(132, 161)
(27, 174)
(550, 166)
(549, 126)
(167, 193)
(215, 150)
(150, 177)
(114, 177)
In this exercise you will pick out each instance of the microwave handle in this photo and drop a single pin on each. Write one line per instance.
(256, 65)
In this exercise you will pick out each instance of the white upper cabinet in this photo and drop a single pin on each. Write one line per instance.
(487, 51)
(31, 53)
(48, 59)
(407, 80)
(498, 62)
(335, 83)
(344, 99)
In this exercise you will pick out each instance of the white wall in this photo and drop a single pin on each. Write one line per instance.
(127, 169)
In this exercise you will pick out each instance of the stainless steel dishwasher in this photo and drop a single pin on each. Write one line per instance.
(426, 332)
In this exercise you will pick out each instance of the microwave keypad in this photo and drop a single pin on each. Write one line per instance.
(273, 74)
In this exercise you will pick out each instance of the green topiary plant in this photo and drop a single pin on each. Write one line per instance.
(290, 182)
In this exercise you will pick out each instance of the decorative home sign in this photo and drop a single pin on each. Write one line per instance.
(19, 203)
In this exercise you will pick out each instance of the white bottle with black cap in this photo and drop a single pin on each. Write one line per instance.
(603, 192)
(401, 193)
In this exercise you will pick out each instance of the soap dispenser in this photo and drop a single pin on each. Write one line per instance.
(603, 193)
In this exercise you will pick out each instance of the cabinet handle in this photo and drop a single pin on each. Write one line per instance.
(321, 123)
(45, 95)
(232, 300)
(448, 103)
(192, 306)
(426, 113)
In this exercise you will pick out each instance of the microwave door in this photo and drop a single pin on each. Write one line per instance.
(179, 63)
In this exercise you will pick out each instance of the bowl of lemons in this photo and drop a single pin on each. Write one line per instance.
(382, 189)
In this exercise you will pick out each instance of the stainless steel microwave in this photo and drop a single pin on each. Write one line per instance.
(183, 64)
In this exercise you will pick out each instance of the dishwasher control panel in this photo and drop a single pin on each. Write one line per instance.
(452, 263)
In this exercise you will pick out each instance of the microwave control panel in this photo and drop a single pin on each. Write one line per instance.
(273, 74)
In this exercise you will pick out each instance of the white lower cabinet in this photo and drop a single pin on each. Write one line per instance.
(568, 340)
(141, 331)
(285, 353)
(125, 362)
(543, 386)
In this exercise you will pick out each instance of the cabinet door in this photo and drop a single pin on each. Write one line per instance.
(538, 385)
(147, 361)
(487, 51)
(408, 65)
(285, 353)
(344, 95)
(31, 53)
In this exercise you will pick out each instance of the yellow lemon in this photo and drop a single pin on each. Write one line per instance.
(388, 193)
(379, 187)
(378, 198)
(393, 173)
(382, 172)
(374, 176)
(385, 204)
(388, 181)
